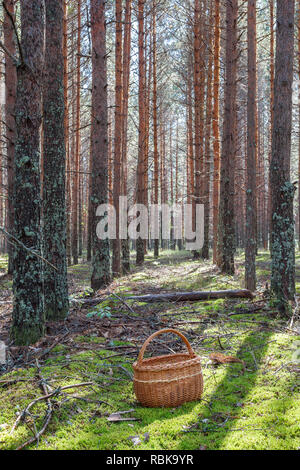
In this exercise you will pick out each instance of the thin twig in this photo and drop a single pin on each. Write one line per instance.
(48, 416)
(123, 302)
(29, 250)
(54, 393)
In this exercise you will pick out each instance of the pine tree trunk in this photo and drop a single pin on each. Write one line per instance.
(126, 79)
(77, 143)
(155, 125)
(66, 131)
(28, 313)
(110, 159)
(190, 138)
(283, 244)
(54, 160)
(140, 254)
(80, 218)
(116, 259)
(299, 125)
(226, 208)
(10, 125)
(89, 215)
(272, 79)
(198, 85)
(206, 164)
(216, 131)
(251, 216)
(1, 178)
(148, 78)
(99, 166)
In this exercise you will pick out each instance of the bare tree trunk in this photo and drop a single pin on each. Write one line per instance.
(54, 164)
(140, 255)
(28, 313)
(126, 78)
(283, 243)
(10, 125)
(198, 85)
(299, 125)
(66, 131)
(155, 124)
(99, 164)
(216, 130)
(272, 79)
(251, 216)
(77, 143)
(116, 258)
(90, 215)
(226, 208)
(206, 157)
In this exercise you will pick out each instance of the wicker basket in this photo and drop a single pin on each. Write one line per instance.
(167, 381)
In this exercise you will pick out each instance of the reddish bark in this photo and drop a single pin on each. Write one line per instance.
(216, 129)
(142, 129)
(116, 257)
(251, 215)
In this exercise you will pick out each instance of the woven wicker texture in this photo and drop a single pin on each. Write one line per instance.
(167, 381)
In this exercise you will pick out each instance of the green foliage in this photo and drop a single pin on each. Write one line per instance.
(100, 312)
(86, 293)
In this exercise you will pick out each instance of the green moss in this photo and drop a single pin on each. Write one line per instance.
(257, 410)
(27, 335)
(89, 339)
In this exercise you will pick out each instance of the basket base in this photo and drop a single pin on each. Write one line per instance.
(168, 395)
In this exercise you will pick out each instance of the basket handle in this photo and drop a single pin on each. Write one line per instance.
(160, 332)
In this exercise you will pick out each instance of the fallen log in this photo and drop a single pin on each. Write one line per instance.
(193, 296)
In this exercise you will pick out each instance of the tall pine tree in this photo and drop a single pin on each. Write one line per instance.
(99, 144)
(54, 160)
(28, 311)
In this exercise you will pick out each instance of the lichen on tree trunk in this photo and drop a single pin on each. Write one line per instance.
(54, 210)
(28, 312)
(10, 100)
(226, 232)
(283, 245)
(282, 236)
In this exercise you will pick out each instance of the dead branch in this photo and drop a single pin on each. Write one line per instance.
(47, 396)
(194, 296)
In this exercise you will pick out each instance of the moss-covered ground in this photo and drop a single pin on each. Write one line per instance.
(255, 409)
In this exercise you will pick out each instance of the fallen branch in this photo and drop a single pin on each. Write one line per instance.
(98, 300)
(8, 383)
(49, 412)
(194, 296)
(47, 396)
(123, 302)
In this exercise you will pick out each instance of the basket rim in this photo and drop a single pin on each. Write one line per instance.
(170, 379)
(147, 364)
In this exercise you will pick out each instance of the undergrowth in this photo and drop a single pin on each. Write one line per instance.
(257, 409)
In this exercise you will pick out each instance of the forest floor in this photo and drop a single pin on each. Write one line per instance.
(93, 351)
